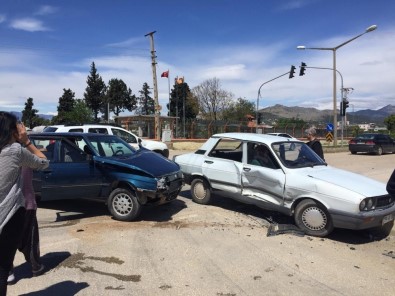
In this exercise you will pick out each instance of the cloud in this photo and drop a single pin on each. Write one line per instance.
(46, 9)
(295, 4)
(2, 18)
(28, 24)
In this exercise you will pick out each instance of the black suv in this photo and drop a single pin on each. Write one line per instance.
(104, 167)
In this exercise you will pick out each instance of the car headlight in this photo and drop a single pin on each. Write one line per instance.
(367, 204)
(161, 183)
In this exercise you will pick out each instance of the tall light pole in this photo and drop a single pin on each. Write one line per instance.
(333, 49)
(156, 102)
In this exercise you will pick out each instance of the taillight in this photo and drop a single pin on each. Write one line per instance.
(351, 142)
(369, 143)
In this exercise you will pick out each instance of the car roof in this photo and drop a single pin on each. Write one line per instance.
(253, 137)
(67, 134)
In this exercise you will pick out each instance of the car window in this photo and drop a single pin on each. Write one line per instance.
(111, 146)
(128, 137)
(259, 154)
(97, 130)
(228, 149)
(50, 129)
(70, 152)
(365, 137)
(42, 145)
(76, 130)
(296, 155)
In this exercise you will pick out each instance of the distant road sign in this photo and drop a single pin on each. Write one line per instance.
(329, 127)
(329, 137)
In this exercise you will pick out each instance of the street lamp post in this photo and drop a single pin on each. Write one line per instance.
(333, 49)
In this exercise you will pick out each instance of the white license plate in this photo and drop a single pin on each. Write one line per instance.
(388, 218)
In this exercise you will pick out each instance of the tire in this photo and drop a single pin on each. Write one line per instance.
(313, 218)
(353, 152)
(379, 150)
(123, 205)
(382, 231)
(200, 191)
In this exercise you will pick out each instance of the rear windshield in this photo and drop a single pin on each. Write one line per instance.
(366, 137)
(50, 129)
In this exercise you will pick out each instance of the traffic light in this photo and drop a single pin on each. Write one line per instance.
(302, 69)
(292, 72)
(260, 118)
(343, 106)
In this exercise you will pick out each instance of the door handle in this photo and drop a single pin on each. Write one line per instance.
(246, 169)
(208, 161)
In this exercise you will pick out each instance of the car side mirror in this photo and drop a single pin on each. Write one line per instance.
(139, 140)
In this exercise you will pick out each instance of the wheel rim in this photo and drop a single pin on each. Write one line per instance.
(380, 150)
(314, 218)
(199, 190)
(122, 204)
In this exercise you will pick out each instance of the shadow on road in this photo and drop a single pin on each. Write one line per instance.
(354, 237)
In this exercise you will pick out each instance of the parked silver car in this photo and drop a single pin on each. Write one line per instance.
(287, 176)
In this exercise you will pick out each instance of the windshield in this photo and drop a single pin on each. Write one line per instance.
(296, 155)
(50, 129)
(110, 146)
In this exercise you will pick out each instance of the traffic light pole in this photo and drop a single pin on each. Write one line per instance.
(335, 107)
(259, 92)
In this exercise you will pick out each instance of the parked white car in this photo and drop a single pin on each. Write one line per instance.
(127, 136)
(290, 178)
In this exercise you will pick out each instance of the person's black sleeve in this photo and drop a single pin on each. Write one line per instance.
(317, 147)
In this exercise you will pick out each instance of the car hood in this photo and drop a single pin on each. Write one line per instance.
(354, 182)
(144, 160)
(152, 143)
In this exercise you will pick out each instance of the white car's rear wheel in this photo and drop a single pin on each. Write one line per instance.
(313, 218)
(200, 191)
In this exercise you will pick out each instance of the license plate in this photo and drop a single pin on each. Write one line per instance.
(388, 218)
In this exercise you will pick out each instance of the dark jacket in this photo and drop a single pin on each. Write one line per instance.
(317, 147)
(391, 184)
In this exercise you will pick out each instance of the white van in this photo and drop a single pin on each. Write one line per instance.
(125, 135)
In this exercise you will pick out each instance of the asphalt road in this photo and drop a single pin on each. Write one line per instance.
(183, 248)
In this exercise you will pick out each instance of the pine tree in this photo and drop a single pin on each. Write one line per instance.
(146, 103)
(95, 92)
(29, 114)
(66, 105)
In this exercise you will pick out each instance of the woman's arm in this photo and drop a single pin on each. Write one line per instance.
(24, 140)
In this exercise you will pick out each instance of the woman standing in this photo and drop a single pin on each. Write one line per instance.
(12, 212)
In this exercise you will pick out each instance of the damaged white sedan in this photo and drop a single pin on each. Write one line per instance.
(285, 175)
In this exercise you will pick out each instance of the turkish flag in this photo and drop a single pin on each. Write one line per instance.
(165, 74)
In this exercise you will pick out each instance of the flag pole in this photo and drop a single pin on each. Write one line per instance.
(168, 81)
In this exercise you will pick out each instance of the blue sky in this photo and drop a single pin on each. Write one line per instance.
(46, 46)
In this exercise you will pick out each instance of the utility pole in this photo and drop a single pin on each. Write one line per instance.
(156, 102)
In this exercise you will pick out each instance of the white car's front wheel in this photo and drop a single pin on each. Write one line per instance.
(200, 191)
(313, 218)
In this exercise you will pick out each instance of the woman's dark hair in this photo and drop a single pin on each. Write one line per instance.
(8, 126)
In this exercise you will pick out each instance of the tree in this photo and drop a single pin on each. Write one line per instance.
(179, 94)
(119, 97)
(213, 100)
(146, 104)
(29, 114)
(95, 92)
(66, 105)
(390, 123)
(290, 122)
(239, 110)
(81, 113)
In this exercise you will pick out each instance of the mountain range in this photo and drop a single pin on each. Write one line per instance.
(322, 116)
